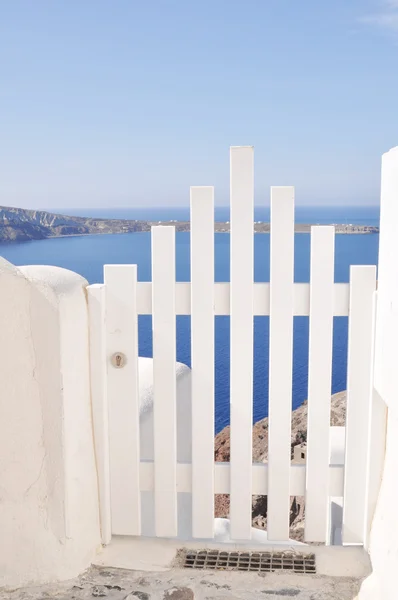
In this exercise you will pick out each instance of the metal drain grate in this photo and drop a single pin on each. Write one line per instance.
(250, 561)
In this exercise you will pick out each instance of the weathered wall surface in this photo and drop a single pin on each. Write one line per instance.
(49, 525)
(384, 532)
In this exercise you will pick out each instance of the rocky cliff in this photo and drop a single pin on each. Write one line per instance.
(260, 454)
(18, 224)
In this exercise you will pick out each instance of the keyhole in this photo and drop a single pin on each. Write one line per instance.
(118, 360)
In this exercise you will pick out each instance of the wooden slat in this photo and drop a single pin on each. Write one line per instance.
(241, 323)
(319, 383)
(123, 397)
(280, 361)
(99, 400)
(222, 472)
(360, 352)
(341, 299)
(144, 298)
(202, 357)
(261, 299)
(222, 299)
(164, 380)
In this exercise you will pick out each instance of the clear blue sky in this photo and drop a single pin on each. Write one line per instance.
(128, 103)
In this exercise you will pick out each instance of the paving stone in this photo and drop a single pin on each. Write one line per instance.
(179, 593)
(143, 582)
(139, 595)
(98, 591)
(285, 592)
(215, 585)
(113, 587)
(187, 584)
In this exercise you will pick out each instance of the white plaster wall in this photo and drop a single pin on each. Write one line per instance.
(183, 409)
(184, 449)
(384, 532)
(382, 584)
(49, 525)
(386, 351)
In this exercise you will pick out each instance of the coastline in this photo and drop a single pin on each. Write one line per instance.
(305, 228)
(98, 233)
(17, 225)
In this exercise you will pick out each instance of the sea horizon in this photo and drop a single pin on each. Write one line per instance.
(355, 215)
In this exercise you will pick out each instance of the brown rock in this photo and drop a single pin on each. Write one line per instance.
(260, 454)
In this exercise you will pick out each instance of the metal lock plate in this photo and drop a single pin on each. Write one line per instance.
(118, 360)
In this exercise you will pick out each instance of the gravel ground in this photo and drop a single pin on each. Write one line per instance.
(179, 584)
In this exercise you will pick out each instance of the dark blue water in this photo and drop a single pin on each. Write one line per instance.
(87, 255)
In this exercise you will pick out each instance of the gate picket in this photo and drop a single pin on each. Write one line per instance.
(164, 380)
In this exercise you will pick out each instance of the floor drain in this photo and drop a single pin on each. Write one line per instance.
(250, 561)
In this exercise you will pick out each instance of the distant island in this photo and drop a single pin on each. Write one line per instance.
(19, 224)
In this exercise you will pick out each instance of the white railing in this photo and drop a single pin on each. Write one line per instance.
(114, 308)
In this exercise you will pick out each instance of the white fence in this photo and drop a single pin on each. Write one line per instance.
(114, 308)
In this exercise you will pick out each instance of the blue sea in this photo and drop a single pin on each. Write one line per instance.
(87, 255)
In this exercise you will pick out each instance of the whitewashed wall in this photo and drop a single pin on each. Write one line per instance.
(184, 452)
(49, 517)
(49, 525)
(384, 532)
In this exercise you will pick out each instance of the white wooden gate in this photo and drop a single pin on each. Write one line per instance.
(114, 308)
